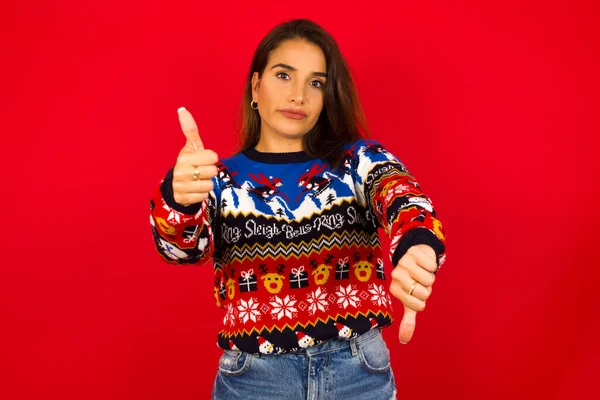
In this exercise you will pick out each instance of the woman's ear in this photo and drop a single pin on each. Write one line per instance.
(255, 83)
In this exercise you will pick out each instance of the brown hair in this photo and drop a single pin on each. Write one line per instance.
(342, 119)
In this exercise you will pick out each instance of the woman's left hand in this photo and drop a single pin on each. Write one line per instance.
(412, 282)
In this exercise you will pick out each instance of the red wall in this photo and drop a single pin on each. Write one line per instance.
(492, 107)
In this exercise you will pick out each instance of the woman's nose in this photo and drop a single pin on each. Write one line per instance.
(297, 95)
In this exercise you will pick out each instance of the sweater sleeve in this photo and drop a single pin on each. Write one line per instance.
(394, 199)
(184, 235)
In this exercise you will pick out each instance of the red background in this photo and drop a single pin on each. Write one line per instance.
(493, 107)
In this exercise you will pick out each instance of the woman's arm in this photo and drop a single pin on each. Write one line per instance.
(183, 235)
(394, 197)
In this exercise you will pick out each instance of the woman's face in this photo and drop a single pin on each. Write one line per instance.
(293, 80)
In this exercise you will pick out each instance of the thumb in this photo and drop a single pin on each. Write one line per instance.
(407, 325)
(190, 129)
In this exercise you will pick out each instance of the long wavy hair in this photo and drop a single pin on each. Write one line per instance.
(342, 119)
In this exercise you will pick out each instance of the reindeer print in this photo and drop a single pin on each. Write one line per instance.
(320, 272)
(272, 281)
(231, 288)
(363, 269)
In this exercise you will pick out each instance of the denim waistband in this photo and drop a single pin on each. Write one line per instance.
(332, 345)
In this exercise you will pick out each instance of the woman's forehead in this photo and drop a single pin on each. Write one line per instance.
(298, 54)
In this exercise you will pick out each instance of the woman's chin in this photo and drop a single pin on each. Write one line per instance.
(292, 134)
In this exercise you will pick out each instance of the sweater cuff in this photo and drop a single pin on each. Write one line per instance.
(418, 236)
(166, 190)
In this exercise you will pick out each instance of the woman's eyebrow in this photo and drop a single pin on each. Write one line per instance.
(288, 67)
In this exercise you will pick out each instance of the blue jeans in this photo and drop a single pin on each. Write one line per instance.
(355, 369)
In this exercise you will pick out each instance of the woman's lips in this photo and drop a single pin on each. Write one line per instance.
(292, 115)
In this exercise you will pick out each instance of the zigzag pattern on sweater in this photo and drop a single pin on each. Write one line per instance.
(337, 240)
(295, 326)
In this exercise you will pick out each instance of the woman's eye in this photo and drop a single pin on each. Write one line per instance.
(318, 84)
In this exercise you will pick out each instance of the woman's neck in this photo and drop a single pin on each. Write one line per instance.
(270, 144)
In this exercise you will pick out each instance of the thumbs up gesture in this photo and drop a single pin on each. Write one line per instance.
(412, 281)
(195, 165)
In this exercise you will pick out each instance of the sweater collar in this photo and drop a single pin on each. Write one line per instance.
(277, 158)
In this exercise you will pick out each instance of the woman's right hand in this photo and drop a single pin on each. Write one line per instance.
(195, 165)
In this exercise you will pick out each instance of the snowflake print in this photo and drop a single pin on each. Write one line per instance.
(378, 295)
(283, 307)
(230, 315)
(317, 301)
(347, 296)
(248, 310)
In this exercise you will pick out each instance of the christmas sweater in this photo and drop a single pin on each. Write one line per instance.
(294, 243)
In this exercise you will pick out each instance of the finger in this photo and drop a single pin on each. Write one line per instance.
(190, 129)
(398, 291)
(201, 157)
(190, 198)
(199, 186)
(418, 273)
(404, 277)
(421, 292)
(425, 256)
(204, 172)
(407, 325)
(412, 302)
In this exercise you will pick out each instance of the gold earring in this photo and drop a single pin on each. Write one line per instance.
(252, 103)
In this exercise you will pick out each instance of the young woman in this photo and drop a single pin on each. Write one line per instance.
(291, 223)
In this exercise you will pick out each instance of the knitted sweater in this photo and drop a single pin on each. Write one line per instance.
(294, 243)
